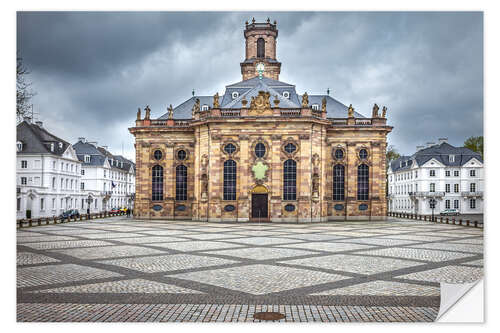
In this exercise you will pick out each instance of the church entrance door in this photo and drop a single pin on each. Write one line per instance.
(259, 207)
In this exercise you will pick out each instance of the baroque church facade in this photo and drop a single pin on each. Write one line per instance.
(261, 152)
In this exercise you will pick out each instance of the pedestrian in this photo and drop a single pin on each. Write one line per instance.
(128, 212)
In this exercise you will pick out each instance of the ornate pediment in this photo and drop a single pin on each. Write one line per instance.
(260, 104)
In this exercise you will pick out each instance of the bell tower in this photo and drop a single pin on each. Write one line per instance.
(260, 48)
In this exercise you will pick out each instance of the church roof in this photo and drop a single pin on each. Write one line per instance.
(250, 88)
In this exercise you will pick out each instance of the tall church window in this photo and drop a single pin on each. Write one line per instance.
(261, 48)
(181, 182)
(230, 180)
(290, 180)
(363, 182)
(157, 183)
(338, 182)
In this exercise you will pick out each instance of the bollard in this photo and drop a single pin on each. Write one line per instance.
(468, 223)
(453, 220)
(20, 223)
(460, 222)
(475, 224)
(447, 221)
(30, 222)
(441, 219)
(55, 219)
(425, 218)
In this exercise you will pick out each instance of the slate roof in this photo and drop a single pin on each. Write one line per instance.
(250, 88)
(98, 156)
(441, 153)
(37, 140)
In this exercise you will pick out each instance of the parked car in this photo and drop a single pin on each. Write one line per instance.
(450, 212)
(123, 209)
(114, 210)
(69, 214)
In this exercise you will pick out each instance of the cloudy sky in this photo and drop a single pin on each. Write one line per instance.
(91, 71)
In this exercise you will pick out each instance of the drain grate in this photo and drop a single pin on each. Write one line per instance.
(268, 315)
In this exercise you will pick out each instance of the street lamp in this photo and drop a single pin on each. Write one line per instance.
(89, 201)
(433, 205)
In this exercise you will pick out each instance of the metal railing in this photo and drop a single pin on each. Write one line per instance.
(472, 194)
(23, 223)
(426, 194)
(437, 219)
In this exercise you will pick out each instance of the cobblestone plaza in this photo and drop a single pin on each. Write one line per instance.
(120, 269)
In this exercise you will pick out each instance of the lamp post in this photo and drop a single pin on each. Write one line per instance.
(89, 201)
(433, 205)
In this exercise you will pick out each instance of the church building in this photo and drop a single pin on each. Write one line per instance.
(261, 152)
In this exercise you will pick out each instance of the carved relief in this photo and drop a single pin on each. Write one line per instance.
(305, 100)
(260, 103)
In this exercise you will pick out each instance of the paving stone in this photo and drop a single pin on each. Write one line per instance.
(418, 254)
(167, 262)
(196, 245)
(260, 279)
(261, 253)
(448, 274)
(66, 244)
(354, 264)
(43, 275)
(329, 247)
(123, 287)
(27, 258)
(473, 248)
(103, 252)
(384, 288)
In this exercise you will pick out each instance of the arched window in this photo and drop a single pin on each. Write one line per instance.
(230, 180)
(338, 182)
(290, 180)
(157, 183)
(181, 182)
(261, 48)
(363, 182)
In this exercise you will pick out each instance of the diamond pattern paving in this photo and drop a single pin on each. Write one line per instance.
(120, 269)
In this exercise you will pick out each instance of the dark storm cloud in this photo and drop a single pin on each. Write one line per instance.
(92, 70)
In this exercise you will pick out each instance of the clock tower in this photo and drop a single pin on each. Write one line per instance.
(260, 51)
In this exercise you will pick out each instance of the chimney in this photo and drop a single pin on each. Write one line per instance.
(81, 139)
(430, 144)
(27, 119)
(443, 140)
(94, 143)
(39, 123)
(420, 147)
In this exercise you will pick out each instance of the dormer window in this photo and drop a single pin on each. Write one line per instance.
(286, 94)
(87, 158)
(19, 146)
(60, 145)
(204, 107)
(451, 158)
(235, 95)
(315, 107)
(52, 146)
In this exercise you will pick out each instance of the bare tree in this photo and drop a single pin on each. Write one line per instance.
(23, 91)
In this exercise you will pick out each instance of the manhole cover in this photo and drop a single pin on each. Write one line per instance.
(268, 316)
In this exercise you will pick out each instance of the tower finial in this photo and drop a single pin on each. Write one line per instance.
(268, 20)
(192, 92)
(328, 91)
(253, 19)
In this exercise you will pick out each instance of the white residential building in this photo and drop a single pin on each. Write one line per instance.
(439, 174)
(108, 181)
(48, 173)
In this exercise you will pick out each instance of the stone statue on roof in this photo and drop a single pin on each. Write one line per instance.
(216, 101)
(323, 104)
(196, 106)
(138, 113)
(350, 111)
(384, 111)
(375, 111)
(305, 100)
(148, 112)
(170, 112)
